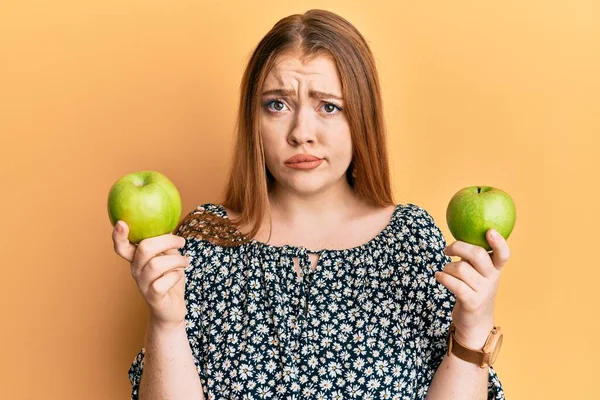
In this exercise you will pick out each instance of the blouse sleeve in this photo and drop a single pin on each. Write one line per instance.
(434, 312)
(193, 249)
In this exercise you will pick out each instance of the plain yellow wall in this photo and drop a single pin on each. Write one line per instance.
(475, 93)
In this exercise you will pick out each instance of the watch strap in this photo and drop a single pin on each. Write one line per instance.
(478, 357)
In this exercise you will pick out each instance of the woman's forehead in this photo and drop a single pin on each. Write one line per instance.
(318, 73)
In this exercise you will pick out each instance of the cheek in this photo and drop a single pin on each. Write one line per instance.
(270, 156)
(269, 140)
(273, 132)
(341, 145)
(271, 146)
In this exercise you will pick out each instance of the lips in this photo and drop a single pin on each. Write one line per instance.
(301, 158)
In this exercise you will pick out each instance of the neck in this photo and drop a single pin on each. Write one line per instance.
(335, 204)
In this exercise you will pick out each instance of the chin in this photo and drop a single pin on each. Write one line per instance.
(309, 185)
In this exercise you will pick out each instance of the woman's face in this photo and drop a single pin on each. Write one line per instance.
(302, 113)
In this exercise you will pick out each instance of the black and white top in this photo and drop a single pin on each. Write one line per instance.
(370, 322)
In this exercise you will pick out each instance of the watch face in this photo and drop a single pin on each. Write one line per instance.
(496, 350)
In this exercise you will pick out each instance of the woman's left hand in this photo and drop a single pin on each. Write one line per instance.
(474, 282)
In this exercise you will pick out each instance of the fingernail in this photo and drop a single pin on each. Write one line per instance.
(494, 234)
(119, 228)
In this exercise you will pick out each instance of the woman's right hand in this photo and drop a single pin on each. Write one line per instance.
(158, 270)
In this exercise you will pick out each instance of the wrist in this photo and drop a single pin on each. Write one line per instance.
(474, 338)
(162, 328)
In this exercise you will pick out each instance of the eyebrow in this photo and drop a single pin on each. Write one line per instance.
(312, 93)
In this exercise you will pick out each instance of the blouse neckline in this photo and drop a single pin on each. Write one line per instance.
(288, 248)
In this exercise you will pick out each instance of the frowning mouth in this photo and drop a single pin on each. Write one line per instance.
(305, 164)
(298, 158)
(303, 161)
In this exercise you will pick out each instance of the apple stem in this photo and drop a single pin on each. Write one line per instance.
(478, 189)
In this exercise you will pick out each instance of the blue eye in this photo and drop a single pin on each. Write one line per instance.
(278, 105)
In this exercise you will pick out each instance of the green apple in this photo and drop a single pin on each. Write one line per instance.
(475, 209)
(147, 201)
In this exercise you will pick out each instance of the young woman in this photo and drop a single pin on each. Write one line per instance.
(309, 281)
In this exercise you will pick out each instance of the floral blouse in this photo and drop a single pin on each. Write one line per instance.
(369, 322)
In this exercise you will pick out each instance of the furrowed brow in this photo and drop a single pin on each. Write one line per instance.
(313, 93)
(279, 92)
(323, 95)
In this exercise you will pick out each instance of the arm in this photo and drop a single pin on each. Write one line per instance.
(169, 366)
(459, 379)
(442, 376)
(169, 369)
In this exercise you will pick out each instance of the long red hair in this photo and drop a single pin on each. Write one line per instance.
(249, 182)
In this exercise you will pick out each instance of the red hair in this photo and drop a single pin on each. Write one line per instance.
(313, 33)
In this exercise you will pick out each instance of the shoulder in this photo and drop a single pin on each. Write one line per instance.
(208, 221)
(421, 227)
(417, 219)
(195, 216)
(207, 210)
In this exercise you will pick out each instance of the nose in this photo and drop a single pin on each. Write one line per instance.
(303, 130)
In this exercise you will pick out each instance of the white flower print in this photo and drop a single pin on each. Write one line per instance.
(369, 323)
(246, 371)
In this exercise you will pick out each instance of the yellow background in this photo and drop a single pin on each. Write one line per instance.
(475, 93)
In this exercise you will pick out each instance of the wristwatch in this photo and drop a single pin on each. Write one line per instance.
(485, 357)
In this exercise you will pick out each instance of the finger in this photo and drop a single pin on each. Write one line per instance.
(500, 250)
(460, 289)
(159, 266)
(465, 272)
(161, 286)
(151, 247)
(174, 252)
(477, 256)
(122, 245)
